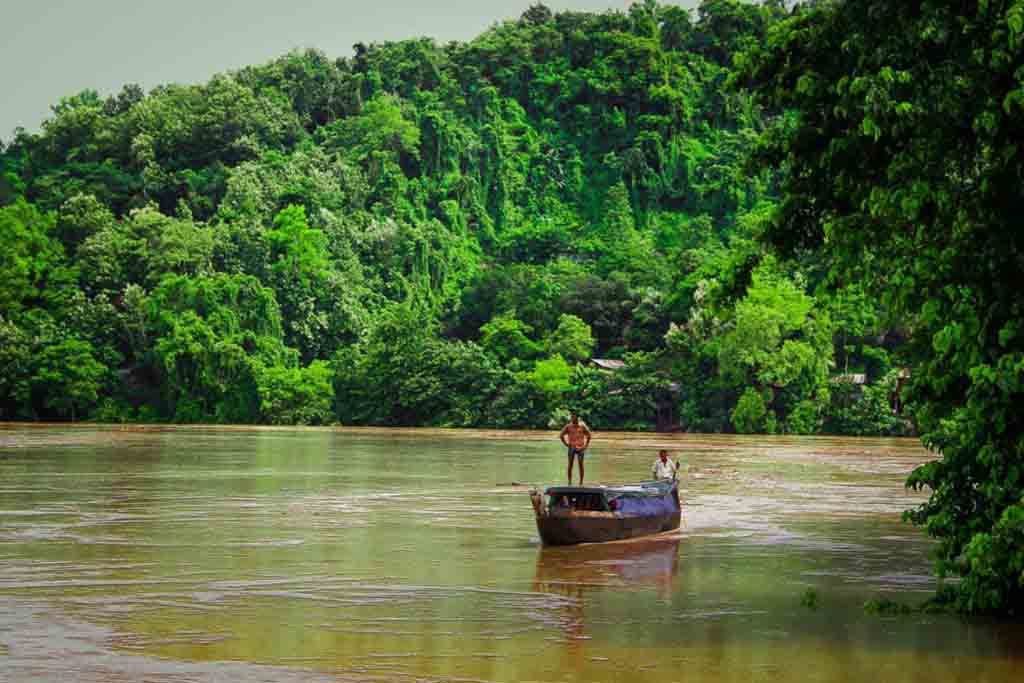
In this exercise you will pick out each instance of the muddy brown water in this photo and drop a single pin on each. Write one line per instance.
(184, 554)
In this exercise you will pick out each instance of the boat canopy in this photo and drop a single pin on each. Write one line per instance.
(646, 499)
(644, 489)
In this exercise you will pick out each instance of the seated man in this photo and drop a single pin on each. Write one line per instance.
(663, 468)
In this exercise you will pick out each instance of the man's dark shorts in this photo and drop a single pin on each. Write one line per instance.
(577, 452)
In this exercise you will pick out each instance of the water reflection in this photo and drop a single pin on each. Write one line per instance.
(574, 571)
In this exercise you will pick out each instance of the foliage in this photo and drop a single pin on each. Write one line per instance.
(775, 345)
(211, 337)
(402, 374)
(551, 376)
(809, 599)
(520, 402)
(69, 377)
(380, 126)
(995, 561)
(27, 256)
(902, 167)
(299, 252)
(299, 396)
(886, 607)
(454, 230)
(571, 340)
(750, 415)
(16, 365)
(864, 411)
(805, 418)
(506, 339)
(141, 250)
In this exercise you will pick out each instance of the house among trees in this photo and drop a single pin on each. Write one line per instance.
(859, 380)
(663, 396)
(609, 364)
(896, 398)
(854, 378)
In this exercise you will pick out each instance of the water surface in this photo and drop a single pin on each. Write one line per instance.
(368, 555)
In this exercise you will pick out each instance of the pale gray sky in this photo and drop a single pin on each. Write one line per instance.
(53, 48)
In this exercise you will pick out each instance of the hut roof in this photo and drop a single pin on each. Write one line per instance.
(608, 363)
(851, 378)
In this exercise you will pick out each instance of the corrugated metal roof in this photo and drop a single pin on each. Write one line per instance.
(608, 363)
(852, 378)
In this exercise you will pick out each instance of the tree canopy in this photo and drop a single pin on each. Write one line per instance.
(901, 172)
(428, 234)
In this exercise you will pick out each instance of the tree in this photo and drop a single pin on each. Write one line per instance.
(173, 245)
(142, 250)
(619, 246)
(80, 217)
(777, 345)
(69, 378)
(322, 291)
(403, 374)
(536, 14)
(531, 398)
(296, 396)
(381, 126)
(300, 251)
(571, 340)
(551, 376)
(506, 338)
(27, 256)
(604, 304)
(749, 416)
(471, 381)
(865, 411)
(16, 364)
(212, 337)
(308, 177)
(901, 163)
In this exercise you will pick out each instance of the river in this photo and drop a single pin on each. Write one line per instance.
(246, 554)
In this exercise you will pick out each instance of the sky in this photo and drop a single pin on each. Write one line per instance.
(54, 48)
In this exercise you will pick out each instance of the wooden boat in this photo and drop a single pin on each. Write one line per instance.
(567, 515)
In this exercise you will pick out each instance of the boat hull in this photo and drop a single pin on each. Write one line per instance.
(571, 530)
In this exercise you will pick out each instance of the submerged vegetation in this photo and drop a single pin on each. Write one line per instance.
(809, 599)
(425, 234)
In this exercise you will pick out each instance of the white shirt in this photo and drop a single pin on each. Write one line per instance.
(663, 470)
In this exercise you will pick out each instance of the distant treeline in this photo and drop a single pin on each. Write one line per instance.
(425, 234)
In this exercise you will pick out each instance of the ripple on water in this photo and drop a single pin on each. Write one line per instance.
(182, 555)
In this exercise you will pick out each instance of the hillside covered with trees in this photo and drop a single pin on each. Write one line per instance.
(424, 234)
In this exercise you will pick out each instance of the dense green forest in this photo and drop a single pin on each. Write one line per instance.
(425, 234)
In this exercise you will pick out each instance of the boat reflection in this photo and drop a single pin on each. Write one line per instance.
(574, 571)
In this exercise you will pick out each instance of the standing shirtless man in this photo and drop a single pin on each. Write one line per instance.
(576, 437)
